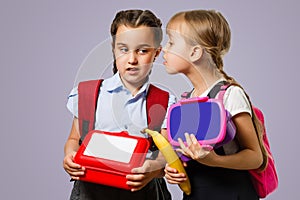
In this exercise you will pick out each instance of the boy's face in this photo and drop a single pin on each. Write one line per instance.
(134, 51)
(176, 51)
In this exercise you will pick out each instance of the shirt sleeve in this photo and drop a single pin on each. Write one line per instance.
(235, 101)
(172, 100)
(72, 103)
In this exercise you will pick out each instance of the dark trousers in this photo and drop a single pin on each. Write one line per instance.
(155, 190)
(213, 183)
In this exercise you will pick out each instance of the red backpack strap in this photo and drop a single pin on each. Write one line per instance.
(87, 101)
(156, 106)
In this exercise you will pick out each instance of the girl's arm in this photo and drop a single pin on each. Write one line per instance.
(71, 147)
(250, 155)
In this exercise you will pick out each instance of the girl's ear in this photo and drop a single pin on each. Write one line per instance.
(196, 53)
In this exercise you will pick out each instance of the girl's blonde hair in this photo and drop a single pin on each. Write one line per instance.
(211, 31)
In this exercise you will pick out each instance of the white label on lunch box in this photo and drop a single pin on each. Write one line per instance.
(111, 147)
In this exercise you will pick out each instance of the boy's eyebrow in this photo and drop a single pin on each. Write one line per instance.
(121, 44)
(138, 46)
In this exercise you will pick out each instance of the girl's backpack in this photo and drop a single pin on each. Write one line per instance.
(266, 181)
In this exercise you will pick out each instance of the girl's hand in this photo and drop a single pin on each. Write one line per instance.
(73, 169)
(193, 149)
(172, 175)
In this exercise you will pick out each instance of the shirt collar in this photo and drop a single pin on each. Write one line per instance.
(114, 84)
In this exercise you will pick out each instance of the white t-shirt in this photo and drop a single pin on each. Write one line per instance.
(235, 100)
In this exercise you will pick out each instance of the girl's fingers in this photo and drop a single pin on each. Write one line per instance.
(188, 139)
(175, 178)
(193, 139)
(185, 150)
(181, 152)
(182, 146)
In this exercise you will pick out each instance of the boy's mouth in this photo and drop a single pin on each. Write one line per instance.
(132, 69)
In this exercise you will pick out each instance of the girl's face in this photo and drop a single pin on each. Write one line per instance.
(134, 51)
(176, 51)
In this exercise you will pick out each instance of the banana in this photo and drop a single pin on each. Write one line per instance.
(171, 157)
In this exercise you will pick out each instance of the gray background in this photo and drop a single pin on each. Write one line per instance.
(44, 43)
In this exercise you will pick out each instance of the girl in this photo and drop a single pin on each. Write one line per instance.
(136, 37)
(198, 40)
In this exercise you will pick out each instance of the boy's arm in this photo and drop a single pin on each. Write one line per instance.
(141, 176)
(70, 149)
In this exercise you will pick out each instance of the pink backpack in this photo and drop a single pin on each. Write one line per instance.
(266, 181)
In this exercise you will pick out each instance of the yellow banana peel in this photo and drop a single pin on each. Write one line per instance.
(171, 157)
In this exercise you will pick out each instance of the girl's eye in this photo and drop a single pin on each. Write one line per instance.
(170, 43)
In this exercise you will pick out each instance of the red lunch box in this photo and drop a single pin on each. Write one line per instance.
(109, 156)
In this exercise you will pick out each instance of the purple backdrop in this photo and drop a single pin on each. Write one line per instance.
(44, 43)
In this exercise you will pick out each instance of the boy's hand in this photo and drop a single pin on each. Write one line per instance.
(141, 176)
(73, 169)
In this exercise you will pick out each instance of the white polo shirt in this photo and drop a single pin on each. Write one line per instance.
(117, 110)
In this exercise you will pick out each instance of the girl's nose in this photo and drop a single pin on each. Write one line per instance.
(132, 58)
(164, 49)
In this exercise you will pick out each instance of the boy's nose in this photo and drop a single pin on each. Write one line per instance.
(132, 58)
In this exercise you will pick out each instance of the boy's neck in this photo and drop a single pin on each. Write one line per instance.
(133, 88)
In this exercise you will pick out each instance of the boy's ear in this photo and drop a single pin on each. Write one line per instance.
(196, 53)
(158, 50)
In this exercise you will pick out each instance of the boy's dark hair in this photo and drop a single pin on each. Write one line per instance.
(136, 18)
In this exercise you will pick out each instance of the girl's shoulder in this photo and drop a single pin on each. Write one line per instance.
(236, 101)
(235, 91)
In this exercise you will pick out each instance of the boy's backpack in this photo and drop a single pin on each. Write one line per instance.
(156, 106)
(265, 181)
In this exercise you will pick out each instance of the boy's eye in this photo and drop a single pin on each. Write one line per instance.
(124, 49)
(142, 51)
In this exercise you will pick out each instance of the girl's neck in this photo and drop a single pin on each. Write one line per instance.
(202, 79)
